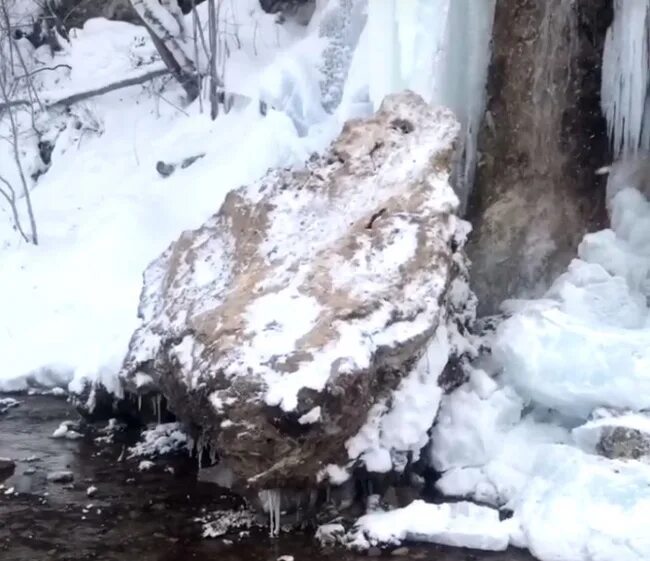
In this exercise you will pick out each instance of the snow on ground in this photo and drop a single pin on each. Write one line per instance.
(103, 212)
(569, 365)
(162, 439)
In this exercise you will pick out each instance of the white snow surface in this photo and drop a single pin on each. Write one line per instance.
(159, 440)
(461, 524)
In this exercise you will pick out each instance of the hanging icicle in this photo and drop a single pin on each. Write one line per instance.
(271, 502)
(625, 75)
(158, 407)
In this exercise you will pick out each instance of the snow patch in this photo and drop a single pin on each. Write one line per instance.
(461, 524)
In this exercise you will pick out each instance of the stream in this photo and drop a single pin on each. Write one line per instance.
(148, 516)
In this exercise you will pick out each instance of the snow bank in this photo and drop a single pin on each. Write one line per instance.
(582, 507)
(460, 524)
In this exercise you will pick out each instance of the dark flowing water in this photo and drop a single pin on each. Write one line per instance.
(143, 516)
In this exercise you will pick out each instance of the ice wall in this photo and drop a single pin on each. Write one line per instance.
(439, 49)
(626, 72)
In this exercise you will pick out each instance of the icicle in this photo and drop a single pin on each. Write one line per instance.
(139, 403)
(625, 76)
(159, 407)
(271, 502)
(213, 453)
(199, 449)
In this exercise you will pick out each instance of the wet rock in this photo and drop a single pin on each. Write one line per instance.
(536, 194)
(7, 468)
(60, 476)
(400, 551)
(308, 297)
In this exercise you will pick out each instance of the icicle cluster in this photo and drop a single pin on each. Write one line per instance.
(625, 77)
(271, 501)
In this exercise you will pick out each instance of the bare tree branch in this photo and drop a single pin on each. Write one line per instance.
(19, 165)
(10, 195)
(81, 96)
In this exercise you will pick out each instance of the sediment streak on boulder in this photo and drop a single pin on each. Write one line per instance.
(309, 296)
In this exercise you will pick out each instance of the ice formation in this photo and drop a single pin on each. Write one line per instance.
(272, 502)
(626, 73)
(459, 524)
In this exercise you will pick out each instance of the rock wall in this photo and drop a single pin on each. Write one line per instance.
(536, 193)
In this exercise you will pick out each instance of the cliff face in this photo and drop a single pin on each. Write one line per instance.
(543, 137)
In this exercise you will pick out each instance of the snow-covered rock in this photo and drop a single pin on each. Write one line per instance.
(318, 287)
(461, 524)
(616, 436)
(166, 438)
(7, 468)
(7, 403)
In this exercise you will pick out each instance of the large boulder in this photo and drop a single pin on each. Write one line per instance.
(308, 298)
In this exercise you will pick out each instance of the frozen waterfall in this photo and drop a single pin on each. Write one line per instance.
(439, 49)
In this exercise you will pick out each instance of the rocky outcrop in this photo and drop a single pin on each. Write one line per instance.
(536, 193)
(307, 299)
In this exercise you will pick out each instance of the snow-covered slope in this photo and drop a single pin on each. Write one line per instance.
(103, 212)
(573, 383)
